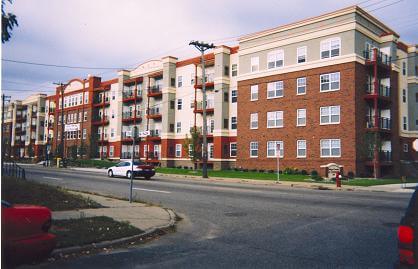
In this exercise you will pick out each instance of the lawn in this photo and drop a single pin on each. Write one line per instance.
(91, 163)
(283, 177)
(78, 232)
(18, 191)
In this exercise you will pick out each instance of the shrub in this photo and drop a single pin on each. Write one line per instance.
(178, 166)
(303, 172)
(245, 170)
(236, 169)
(350, 175)
(296, 171)
(185, 167)
(314, 173)
(261, 170)
(317, 178)
(288, 171)
(270, 171)
(253, 170)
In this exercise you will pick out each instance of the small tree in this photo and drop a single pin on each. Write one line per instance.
(193, 145)
(93, 146)
(8, 21)
(82, 149)
(31, 152)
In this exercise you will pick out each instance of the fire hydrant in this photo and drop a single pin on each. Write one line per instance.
(338, 179)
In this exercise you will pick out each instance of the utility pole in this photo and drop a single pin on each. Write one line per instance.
(62, 85)
(3, 100)
(202, 47)
(133, 134)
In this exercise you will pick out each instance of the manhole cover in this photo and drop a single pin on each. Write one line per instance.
(235, 214)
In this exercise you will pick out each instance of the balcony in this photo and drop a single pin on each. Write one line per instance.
(385, 158)
(384, 124)
(103, 120)
(101, 102)
(128, 155)
(154, 135)
(209, 81)
(52, 110)
(129, 96)
(210, 107)
(382, 95)
(153, 157)
(154, 113)
(129, 116)
(102, 138)
(155, 91)
(375, 56)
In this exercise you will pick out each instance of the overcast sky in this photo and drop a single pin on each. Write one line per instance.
(125, 33)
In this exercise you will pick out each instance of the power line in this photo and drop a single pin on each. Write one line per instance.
(59, 66)
(391, 4)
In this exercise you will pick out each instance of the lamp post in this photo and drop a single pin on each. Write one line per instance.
(202, 47)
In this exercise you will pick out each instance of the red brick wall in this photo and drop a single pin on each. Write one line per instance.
(290, 133)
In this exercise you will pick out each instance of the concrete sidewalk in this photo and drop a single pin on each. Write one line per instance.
(142, 216)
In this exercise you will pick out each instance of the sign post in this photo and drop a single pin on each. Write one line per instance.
(278, 161)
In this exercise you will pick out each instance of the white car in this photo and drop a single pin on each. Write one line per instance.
(123, 169)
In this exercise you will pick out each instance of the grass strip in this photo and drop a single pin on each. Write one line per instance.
(78, 232)
(18, 191)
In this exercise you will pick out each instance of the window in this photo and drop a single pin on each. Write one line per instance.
(330, 148)
(234, 96)
(233, 149)
(233, 123)
(86, 97)
(210, 150)
(404, 95)
(113, 95)
(85, 115)
(226, 123)
(178, 129)
(405, 123)
(179, 104)
(275, 119)
(190, 150)
(226, 70)
(179, 81)
(330, 48)
(112, 132)
(234, 70)
(80, 116)
(301, 149)
(275, 89)
(226, 97)
(301, 54)
(253, 149)
(404, 68)
(272, 147)
(301, 117)
(254, 121)
(172, 104)
(405, 148)
(254, 92)
(178, 150)
(330, 115)
(84, 133)
(254, 64)
(300, 86)
(330, 82)
(111, 150)
(275, 59)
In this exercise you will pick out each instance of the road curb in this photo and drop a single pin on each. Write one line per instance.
(58, 253)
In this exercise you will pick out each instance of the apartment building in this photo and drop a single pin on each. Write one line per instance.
(23, 127)
(323, 93)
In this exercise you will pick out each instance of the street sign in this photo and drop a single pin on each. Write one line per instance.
(415, 144)
(144, 133)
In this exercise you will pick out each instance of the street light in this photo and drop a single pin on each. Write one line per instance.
(202, 47)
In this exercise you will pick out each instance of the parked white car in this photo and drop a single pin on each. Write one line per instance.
(124, 168)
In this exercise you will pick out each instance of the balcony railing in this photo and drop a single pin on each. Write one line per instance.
(155, 89)
(154, 111)
(100, 99)
(51, 109)
(210, 104)
(155, 133)
(384, 123)
(154, 155)
(380, 57)
(385, 156)
(102, 119)
(131, 94)
(383, 90)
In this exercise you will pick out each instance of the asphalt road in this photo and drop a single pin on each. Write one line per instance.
(228, 225)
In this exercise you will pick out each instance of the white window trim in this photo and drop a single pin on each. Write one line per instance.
(330, 90)
(251, 92)
(230, 149)
(281, 155)
(257, 149)
(297, 54)
(251, 127)
(297, 86)
(178, 156)
(275, 52)
(297, 117)
(330, 140)
(273, 127)
(256, 58)
(274, 85)
(306, 149)
(330, 40)
(329, 110)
